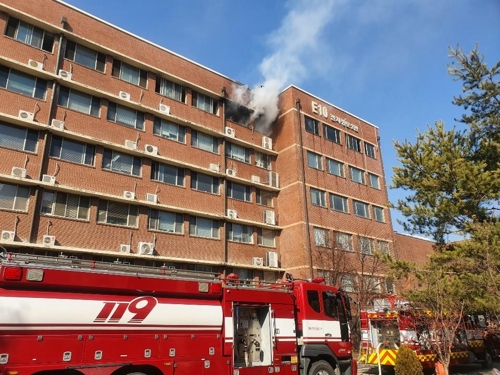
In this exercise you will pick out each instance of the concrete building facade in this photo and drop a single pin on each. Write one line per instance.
(113, 148)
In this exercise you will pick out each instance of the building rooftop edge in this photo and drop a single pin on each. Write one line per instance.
(145, 40)
(415, 237)
(323, 100)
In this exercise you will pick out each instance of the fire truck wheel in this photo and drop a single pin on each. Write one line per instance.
(487, 363)
(321, 368)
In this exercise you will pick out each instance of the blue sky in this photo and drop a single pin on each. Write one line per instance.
(382, 60)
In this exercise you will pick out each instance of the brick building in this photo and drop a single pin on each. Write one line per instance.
(114, 148)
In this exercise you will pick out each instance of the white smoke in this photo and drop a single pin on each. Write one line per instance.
(294, 44)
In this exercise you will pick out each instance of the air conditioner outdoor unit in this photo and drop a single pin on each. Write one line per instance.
(232, 214)
(35, 64)
(230, 132)
(214, 167)
(274, 179)
(65, 74)
(131, 144)
(164, 108)
(269, 217)
(272, 259)
(49, 240)
(124, 95)
(153, 198)
(145, 248)
(231, 172)
(256, 179)
(18, 172)
(124, 248)
(58, 124)
(128, 194)
(49, 179)
(8, 235)
(267, 143)
(256, 261)
(151, 150)
(25, 115)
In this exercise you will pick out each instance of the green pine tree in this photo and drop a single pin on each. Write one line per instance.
(407, 362)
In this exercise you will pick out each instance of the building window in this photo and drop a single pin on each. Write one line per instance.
(338, 203)
(122, 163)
(383, 246)
(361, 209)
(129, 73)
(167, 173)
(115, 213)
(203, 227)
(14, 197)
(20, 139)
(321, 237)
(72, 151)
(204, 182)
(378, 214)
(169, 130)
(239, 191)
(79, 101)
(314, 160)
(372, 284)
(125, 116)
(239, 233)
(266, 237)
(65, 205)
(85, 56)
(312, 125)
(204, 142)
(22, 83)
(331, 134)
(353, 143)
(389, 286)
(29, 34)
(262, 160)
(264, 197)
(318, 197)
(370, 150)
(170, 89)
(343, 241)
(365, 245)
(236, 152)
(165, 221)
(335, 167)
(357, 175)
(374, 180)
(347, 283)
(205, 103)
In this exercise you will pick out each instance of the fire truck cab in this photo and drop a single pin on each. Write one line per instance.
(75, 317)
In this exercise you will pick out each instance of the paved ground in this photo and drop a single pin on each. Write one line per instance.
(472, 369)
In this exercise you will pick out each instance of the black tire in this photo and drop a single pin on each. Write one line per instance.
(487, 362)
(321, 368)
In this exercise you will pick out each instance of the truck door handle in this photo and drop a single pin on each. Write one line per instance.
(328, 334)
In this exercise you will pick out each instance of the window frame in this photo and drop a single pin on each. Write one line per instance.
(8, 82)
(57, 197)
(212, 103)
(260, 196)
(338, 134)
(72, 51)
(322, 197)
(130, 215)
(30, 138)
(215, 227)
(175, 179)
(247, 193)
(195, 141)
(135, 165)
(154, 221)
(314, 160)
(366, 209)
(113, 115)
(339, 244)
(161, 84)
(370, 181)
(233, 152)
(117, 71)
(160, 123)
(94, 106)
(353, 143)
(16, 197)
(321, 237)
(195, 183)
(378, 211)
(45, 38)
(345, 203)
(366, 245)
(311, 125)
(341, 165)
(383, 249)
(353, 169)
(262, 160)
(88, 150)
(246, 232)
(369, 150)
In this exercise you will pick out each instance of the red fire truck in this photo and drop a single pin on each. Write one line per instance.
(392, 322)
(74, 317)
